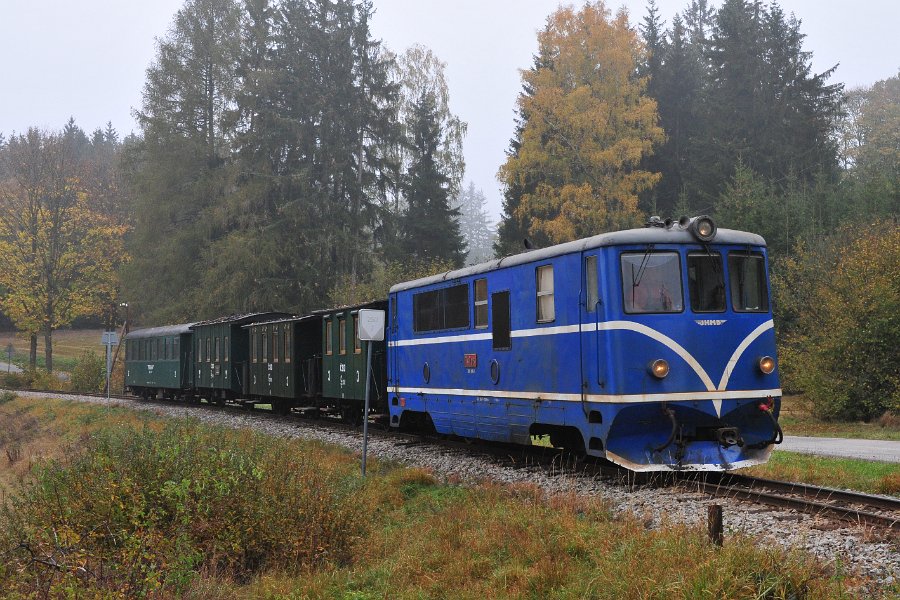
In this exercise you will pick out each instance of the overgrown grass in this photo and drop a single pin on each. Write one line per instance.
(846, 473)
(131, 506)
(796, 419)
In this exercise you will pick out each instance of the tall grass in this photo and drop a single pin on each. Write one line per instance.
(143, 512)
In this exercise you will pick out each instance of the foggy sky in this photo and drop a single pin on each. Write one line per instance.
(87, 58)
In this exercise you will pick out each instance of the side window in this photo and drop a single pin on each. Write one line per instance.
(446, 308)
(175, 354)
(544, 279)
(342, 335)
(253, 334)
(592, 295)
(276, 347)
(706, 282)
(500, 321)
(208, 353)
(481, 304)
(288, 348)
(357, 347)
(199, 349)
(218, 349)
(226, 348)
(329, 336)
(651, 282)
(747, 277)
(265, 346)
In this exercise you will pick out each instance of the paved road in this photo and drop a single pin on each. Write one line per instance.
(846, 448)
(11, 368)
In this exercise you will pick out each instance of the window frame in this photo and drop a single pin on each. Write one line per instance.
(476, 302)
(288, 347)
(329, 336)
(342, 335)
(276, 347)
(680, 282)
(539, 294)
(441, 306)
(592, 283)
(706, 254)
(756, 255)
(357, 346)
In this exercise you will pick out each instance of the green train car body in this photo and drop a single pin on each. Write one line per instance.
(158, 360)
(221, 355)
(285, 359)
(344, 357)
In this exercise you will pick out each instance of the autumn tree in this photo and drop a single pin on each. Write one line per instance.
(61, 255)
(588, 125)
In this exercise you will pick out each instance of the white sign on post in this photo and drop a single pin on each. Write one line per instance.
(371, 325)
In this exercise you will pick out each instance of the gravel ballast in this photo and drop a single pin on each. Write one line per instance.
(874, 560)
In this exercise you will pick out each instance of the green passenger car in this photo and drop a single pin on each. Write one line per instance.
(158, 362)
(344, 360)
(285, 362)
(221, 350)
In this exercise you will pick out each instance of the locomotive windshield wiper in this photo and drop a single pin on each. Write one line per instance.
(645, 261)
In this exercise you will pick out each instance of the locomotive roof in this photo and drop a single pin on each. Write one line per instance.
(160, 331)
(645, 235)
(240, 319)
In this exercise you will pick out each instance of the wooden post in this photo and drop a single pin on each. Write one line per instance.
(714, 523)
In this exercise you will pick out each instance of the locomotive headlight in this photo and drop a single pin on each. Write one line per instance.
(659, 368)
(766, 364)
(704, 228)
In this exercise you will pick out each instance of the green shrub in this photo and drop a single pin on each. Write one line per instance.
(37, 379)
(142, 512)
(6, 397)
(89, 373)
(843, 304)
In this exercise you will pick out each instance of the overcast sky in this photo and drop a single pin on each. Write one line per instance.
(86, 58)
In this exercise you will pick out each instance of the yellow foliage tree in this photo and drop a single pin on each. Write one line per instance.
(60, 256)
(586, 126)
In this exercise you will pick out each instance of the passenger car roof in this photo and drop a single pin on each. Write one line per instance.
(159, 331)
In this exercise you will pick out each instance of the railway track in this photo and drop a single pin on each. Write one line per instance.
(878, 512)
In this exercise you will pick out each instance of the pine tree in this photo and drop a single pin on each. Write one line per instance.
(474, 224)
(430, 225)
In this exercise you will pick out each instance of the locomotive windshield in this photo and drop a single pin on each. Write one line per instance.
(747, 276)
(706, 282)
(652, 282)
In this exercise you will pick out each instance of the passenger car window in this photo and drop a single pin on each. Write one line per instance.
(342, 336)
(544, 280)
(651, 282)
(329, 344)
(747, 277)
(706, 282)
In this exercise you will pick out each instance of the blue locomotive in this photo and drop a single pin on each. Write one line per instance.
(653, 348)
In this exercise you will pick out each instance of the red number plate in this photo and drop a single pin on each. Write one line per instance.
(470, 361)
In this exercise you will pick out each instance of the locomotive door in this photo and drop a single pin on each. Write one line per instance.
(590, 313)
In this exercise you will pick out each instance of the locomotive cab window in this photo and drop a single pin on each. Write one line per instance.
(481, 304)
(447, 308)
(747, 277)
(544, 281)
(651, 282)
(706, 282)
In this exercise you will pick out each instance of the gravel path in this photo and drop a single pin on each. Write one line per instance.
(875, 560)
